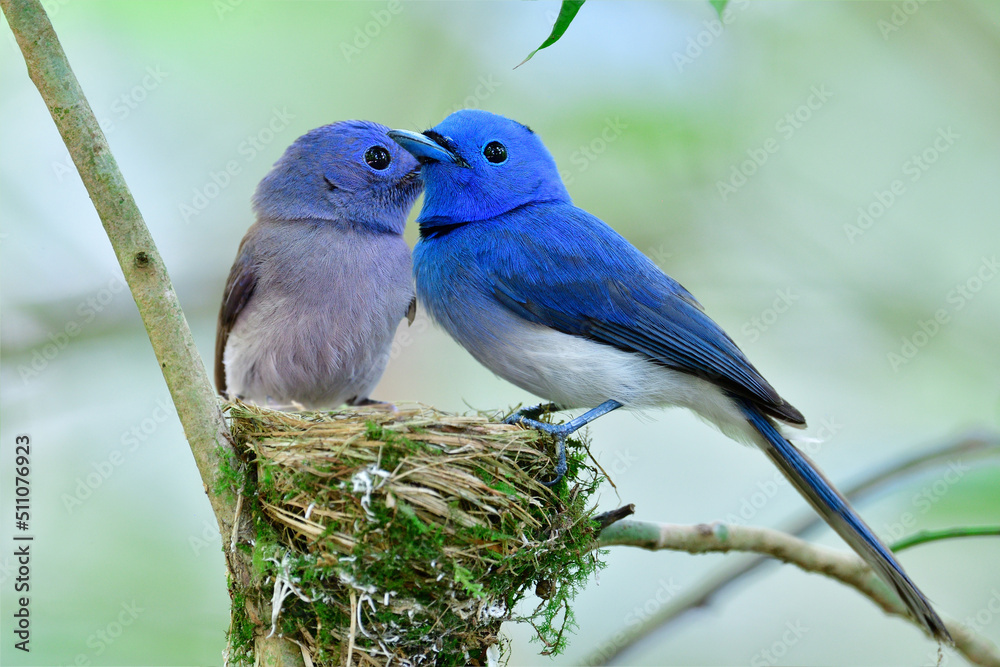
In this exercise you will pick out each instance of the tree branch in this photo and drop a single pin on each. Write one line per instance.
(841, 566)
(144, 271)
(974, 444)
(181, 364)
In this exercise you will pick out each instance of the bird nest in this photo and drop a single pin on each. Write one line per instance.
(408, 536)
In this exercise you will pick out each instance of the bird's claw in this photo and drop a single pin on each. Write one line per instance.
(560, 431)
(557, 431)
(561, 466)
(532, 413)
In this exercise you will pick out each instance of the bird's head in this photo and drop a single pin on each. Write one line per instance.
(345, 173)
(477, 165)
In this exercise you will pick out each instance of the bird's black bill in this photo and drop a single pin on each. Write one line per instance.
(427, 147)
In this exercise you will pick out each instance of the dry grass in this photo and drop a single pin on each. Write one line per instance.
(429, 526)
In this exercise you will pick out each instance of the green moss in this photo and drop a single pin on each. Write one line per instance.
(465, 579)
(240, 636)
(429, 585)
(231, 477)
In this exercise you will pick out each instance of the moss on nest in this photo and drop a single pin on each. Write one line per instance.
(409, 536)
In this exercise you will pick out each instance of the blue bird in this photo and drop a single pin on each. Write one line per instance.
(552, 299)
(323, 278)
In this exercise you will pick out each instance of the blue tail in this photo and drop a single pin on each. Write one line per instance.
(837, 512)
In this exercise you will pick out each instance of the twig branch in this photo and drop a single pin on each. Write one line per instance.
(144, 270)
(973, 444)
(181, 364)
(607, 518)
(925, 536)
(841, 566)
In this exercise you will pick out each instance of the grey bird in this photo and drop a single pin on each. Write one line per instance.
(323, 278)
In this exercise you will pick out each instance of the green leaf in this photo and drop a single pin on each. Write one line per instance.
(566, 15)
(719, 5)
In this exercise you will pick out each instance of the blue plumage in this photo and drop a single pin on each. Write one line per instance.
(836, 511)
(322, 279)
(556, 265)
(554, 300)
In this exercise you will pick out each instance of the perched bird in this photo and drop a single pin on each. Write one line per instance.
(552, 299)
(323, 278)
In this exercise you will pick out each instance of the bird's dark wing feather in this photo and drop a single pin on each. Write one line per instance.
(411, 311)
(593, 283)
(239, 288)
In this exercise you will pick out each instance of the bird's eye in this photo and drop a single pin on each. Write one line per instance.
(495, 152)
(378, 157)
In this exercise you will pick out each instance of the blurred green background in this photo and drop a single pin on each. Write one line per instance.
(647, 108)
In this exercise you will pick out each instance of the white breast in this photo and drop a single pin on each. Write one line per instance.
(575, 372)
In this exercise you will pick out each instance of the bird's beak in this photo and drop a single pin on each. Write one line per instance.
(425, 148)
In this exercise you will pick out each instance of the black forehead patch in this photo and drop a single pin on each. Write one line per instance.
(441, 140)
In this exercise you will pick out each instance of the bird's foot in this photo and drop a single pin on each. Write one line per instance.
(534, 412)
(557, 431)
(528, 417)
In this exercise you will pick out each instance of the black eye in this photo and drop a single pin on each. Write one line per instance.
(495, 152)
(378, 157)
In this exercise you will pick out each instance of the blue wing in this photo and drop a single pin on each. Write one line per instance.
(559, 266)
